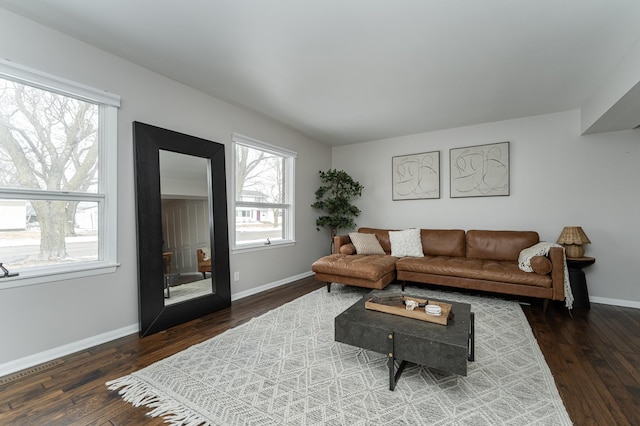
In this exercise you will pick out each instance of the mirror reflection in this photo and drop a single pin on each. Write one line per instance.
(186, 245)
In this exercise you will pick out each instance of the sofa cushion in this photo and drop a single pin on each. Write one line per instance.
(370, 267)
(366, 243)
(406, 243)
(347, 249)
(541, 265)
(482, 269)
(443, 242)
(499, 245)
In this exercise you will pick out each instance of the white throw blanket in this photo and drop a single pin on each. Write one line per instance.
(542, 249)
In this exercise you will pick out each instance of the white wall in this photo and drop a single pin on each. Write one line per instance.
(43, 321)
(616, 103)
(558, 178)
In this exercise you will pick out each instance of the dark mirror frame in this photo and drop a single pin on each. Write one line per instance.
(148, 140)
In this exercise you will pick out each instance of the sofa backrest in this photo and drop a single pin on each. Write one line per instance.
(474, 244)
(435, 242)
(443, 242)
(499, 245)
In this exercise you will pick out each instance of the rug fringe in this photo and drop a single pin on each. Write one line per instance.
(139, 393)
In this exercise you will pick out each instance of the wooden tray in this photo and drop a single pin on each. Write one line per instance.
(417, 313)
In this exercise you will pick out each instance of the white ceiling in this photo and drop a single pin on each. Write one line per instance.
(348, 71)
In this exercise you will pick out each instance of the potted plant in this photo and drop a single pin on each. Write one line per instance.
(334, 197)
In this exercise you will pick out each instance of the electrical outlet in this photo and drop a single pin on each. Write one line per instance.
(236, 276)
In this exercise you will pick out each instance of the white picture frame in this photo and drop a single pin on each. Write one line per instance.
(479, 171)
(416, 176)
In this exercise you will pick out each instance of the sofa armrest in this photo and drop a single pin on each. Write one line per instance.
(556, 255)
(339, 241)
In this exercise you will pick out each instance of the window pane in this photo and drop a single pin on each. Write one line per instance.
(259, 176)
(255, 225)
(264, 210)
(36, 233)
(49, 141)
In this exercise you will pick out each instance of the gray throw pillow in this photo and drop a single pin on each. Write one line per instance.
(366, 243)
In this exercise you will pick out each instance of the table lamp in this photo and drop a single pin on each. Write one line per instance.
(572, 238)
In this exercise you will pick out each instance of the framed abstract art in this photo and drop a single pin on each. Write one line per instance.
(416, 176)
(479, 171)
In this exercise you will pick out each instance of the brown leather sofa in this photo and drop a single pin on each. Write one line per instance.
(479, 260)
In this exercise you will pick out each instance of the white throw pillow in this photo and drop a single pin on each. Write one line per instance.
(406, 243)
(366, 243)
(206, 254)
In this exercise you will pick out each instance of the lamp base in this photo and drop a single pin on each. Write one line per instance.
(573, 250)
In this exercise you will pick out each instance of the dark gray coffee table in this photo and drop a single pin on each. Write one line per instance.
(443, 347)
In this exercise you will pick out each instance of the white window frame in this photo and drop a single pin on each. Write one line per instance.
(289, 206)
(106, 197)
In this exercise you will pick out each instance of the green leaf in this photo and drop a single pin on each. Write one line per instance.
(334, 197)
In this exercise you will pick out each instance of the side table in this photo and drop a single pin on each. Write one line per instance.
(578, 280)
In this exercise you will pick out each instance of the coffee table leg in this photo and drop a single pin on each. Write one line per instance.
(472, 337)
(394, 375)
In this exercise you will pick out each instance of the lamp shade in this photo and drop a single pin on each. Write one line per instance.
(573, 237)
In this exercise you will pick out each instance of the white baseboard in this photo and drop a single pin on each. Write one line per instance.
(269, 286)
(51, 354)
(68, 349)
(615, 302)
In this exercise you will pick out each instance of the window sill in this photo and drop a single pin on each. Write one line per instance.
(28, 278)
(273, 245)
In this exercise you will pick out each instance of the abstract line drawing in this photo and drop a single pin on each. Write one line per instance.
(416, 176)
(479, 171)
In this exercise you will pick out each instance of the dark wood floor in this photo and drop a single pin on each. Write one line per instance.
(593, 356)
(595, 360)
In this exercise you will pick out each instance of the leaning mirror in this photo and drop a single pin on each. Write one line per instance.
(183, 248)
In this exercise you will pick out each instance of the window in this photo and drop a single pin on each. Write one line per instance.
(58, 152)
(263, 194)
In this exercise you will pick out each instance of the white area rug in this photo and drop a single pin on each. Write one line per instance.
(284, 368)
